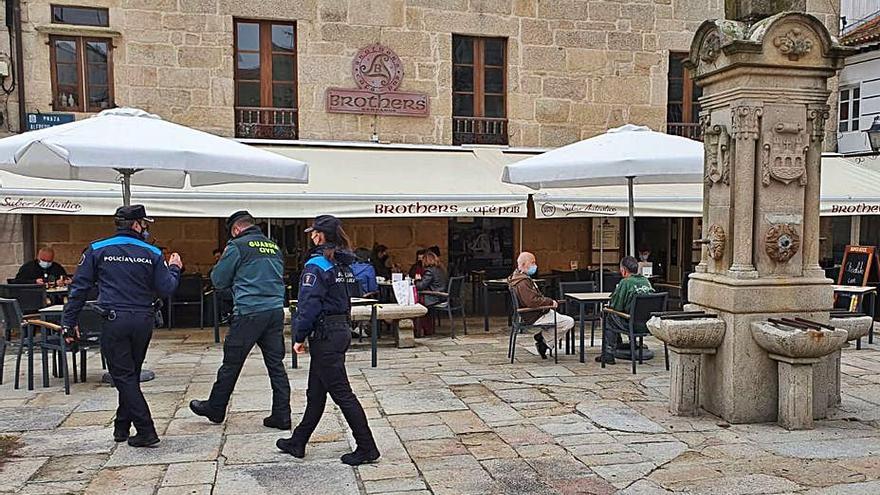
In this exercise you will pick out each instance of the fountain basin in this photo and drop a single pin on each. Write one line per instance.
(795, 343)
(856, 327)
(699, 333)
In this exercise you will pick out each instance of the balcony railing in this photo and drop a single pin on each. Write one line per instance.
(479, 130)
(265, 123)
(684, 129)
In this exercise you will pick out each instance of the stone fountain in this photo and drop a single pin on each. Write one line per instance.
(765, 104)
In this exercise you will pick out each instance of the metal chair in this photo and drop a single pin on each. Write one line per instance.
(517, 325)
(641, 308)
(190, 292)
(31, 297)
(609, 281)
(452, 301)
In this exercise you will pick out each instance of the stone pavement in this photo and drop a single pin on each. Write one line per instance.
(451, 417)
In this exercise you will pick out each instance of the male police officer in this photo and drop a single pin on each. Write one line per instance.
(252, 266)
(129, 274)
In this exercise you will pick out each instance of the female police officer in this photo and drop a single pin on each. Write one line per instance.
(323, 315)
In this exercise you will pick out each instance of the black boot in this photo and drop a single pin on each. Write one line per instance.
(277, 423)
(201, 408)
(121, 433)
(541, 345)
(292, 447)
(149, 439)
(360, 456)
(609, 359)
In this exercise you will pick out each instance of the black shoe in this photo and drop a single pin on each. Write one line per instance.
(277, 423)
(359, 457)
(292, 447)
(121, 434)
(144, 440)
(608, 359)
(541, 345)
(201, 408)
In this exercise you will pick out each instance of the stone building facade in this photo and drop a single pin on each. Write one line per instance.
(572, 68)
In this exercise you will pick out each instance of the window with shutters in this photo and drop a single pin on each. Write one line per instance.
(265, 79)
(479, 90)
(682, 100)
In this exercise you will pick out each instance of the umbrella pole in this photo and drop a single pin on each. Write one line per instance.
(632, 217)
(601, 255)
(125, 179)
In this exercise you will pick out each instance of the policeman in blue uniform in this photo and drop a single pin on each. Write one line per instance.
(323, 316)
(130, 274)
(253, 267)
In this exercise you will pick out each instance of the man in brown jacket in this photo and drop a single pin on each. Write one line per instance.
(529, 296)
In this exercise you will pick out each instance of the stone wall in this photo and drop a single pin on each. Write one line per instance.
(555, 242)
(193, 238)
(403, 236)
(575, 67)
(12, 246)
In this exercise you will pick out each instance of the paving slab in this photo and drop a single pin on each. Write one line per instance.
(172, 448)
(64, 441)
(30, 418)
(190, 473)
(615, 415)
(16, 472)
(139, 480)
(412, 401)
(289, 478)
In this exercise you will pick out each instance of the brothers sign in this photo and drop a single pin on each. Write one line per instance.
(377, 71)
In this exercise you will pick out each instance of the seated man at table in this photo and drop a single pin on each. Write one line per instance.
(41, 270)
(365, 273)
(631, 285)
(529, 296)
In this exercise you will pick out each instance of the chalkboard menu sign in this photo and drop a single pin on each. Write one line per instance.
(857, 264)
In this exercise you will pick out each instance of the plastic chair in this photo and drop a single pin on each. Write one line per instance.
(451, 301)
(517, 325)
(190, 292)
(26, 326)
(641, 309)
(31, 297)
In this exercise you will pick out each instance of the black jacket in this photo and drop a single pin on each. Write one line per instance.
(323, 291)
(31, 271)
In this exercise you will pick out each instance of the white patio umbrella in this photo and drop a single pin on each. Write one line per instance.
(134, 147)
(625, 155)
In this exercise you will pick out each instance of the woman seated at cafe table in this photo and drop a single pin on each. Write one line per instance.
(433, 279)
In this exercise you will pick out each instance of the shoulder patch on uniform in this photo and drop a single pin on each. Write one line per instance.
(321, 262)
(309, 279)
(124, 240)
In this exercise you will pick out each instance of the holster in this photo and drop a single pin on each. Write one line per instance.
(328, 324)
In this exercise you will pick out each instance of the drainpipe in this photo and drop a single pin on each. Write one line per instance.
(19, 61)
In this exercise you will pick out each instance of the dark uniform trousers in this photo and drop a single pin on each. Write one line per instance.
(124, 343)
(265, 329)
(327, 375)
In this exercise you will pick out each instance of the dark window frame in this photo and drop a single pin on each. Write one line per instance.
(104, 10)
(82, 74)
(479, 67)
(265, 53)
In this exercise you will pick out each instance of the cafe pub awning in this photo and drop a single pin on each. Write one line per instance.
(346, 179)
(847, 189)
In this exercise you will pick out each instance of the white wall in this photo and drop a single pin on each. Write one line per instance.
(862, 70)
(855, 10)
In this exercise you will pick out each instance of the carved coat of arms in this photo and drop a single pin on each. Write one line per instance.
(785, 154)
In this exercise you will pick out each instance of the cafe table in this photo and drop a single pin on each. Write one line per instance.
(859, 293)
(498, 285)
(582, 299)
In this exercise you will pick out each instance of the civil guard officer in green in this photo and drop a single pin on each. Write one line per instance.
(323, 316)
(252, 265)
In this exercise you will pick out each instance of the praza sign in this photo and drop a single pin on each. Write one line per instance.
(377, 71)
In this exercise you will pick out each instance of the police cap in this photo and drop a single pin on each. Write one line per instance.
(236, 217)
(327, 224)
(132, 212)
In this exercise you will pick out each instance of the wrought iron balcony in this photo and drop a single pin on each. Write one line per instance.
(685, 129)
(265, 123)
(479, 130)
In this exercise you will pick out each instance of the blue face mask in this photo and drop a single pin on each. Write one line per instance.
(532, 270)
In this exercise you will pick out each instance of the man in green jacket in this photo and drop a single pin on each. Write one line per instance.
(632, 284)
(252, 265)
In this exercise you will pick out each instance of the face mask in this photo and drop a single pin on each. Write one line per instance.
(532, 270)
(145, 234)
(643, 257)
(45, 264)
